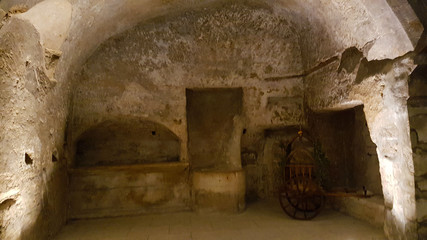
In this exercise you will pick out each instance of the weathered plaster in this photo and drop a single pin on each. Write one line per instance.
(31, 107)
(145, 71)
(35, 105)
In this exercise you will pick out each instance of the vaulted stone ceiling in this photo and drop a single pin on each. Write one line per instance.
(392, 30)
(346, 53)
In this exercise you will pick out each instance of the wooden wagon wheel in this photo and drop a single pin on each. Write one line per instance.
(301, 198)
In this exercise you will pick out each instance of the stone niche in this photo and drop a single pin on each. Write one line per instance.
(353, 166)
(344, 138)
(264, 169)
(126, 167)
(215, 130)
(127, 143)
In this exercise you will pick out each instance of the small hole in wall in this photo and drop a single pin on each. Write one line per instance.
(55, 155)
(54, 158)
(27, 63)
(6, 204)
(28, 159)
(244, 130)
(153, 133)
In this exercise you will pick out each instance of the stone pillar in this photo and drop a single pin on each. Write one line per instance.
(387, 117)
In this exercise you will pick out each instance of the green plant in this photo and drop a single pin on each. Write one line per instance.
(322, 166)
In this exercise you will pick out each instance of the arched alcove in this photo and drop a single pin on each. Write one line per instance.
(124, 142)
(44, 88)
(126, 166)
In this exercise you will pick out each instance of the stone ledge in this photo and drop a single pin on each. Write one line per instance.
(219, 191)
(370, 210)
(111, 191)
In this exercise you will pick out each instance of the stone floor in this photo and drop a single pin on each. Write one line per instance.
(261, 220)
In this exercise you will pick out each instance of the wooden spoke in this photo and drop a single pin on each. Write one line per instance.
(301, 198)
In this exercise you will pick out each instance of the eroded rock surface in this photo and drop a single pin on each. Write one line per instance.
(75, 71)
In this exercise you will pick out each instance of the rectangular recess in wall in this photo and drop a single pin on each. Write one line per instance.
(210, 114)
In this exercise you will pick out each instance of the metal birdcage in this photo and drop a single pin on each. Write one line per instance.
(301, 197)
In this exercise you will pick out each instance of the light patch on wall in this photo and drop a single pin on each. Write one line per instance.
(399, 215)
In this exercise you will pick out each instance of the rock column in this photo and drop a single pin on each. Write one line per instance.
(387, 118)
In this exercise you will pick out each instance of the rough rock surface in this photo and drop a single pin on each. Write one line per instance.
(31, 133)
(108, 60)
(417, 108)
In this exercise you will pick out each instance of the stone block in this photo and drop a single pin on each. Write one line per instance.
(370, 210)
(420, 161)
(219, 191)
(249, 158)
(422, 184)
(422, 232)
(128, 190)
(421, 210)
(419, 123)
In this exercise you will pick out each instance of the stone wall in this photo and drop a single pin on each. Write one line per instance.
(365, 166)
(382, 87)
(264, 47)
(122, 190)
(417, 107)
(147, 73)
(214, 128)
(32, 129)
(127, 142)
(344, 138)
(334, 131)
(263, 164)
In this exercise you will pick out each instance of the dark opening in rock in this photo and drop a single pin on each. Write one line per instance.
(28, 159)
(54, 158)
(4, 205)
